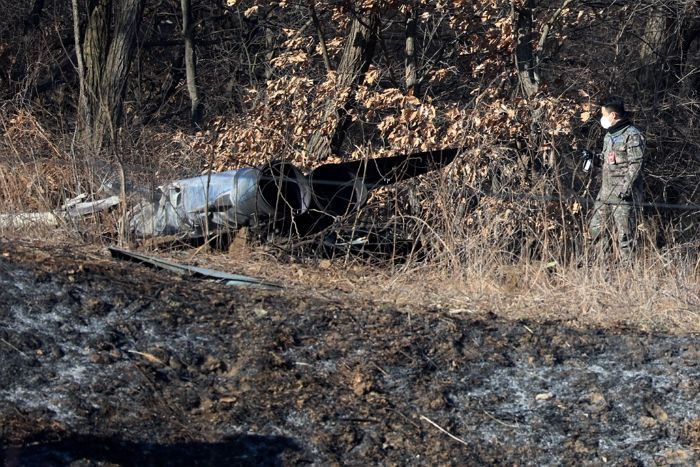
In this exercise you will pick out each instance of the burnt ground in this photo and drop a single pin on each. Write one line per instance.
(104, 362)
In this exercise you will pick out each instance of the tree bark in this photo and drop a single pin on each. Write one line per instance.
(356, 59)
(653, 53)
(121, 50)
(196, 107)
(653, 39)
(691, 81)
(411, 58)
(524, 54)
(106, 55)
(94, 55)
(82, 96)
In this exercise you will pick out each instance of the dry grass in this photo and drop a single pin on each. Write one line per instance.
(658, 297)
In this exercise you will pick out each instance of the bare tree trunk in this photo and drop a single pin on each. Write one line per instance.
(668, 34)
(654, 37)
(357, 56)
(524, 54)
(663, 53)
(411, 58)
(190, 63)
(691, 80)
(106, 56)
(94, 53)
(652, 53)
(121, 50)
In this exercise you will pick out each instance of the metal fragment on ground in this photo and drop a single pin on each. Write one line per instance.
(73, 209)
(194, 271)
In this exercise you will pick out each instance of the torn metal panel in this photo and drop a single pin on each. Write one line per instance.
(91, 207)
(194, 271)
(73, 201)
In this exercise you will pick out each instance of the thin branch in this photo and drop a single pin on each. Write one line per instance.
(196, 107)
(444, 430)
(14, 348)
(548, 26)
(321, 38)
(82, 98)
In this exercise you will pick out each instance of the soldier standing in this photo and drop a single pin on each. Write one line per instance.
(620, 196)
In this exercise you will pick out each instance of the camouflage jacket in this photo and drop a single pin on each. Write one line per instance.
(623, 153)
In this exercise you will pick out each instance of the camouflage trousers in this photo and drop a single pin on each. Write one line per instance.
(615, 218)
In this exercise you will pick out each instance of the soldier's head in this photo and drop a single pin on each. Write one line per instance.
(613, 110)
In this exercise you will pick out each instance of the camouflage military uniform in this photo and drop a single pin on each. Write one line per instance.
(621, 193)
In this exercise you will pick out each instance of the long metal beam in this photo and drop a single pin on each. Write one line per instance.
(193, 271)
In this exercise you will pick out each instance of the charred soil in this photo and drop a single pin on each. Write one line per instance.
(104, 362)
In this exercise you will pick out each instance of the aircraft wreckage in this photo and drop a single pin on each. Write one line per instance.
(276, 194)
(275, 197)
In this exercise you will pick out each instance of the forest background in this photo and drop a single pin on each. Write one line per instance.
(164, 89)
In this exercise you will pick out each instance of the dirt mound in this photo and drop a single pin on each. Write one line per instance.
(104, 363)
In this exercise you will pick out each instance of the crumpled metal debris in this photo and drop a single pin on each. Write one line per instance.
(71, 210)
(193, 271)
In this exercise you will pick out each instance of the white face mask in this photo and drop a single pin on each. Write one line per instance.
(604, 122)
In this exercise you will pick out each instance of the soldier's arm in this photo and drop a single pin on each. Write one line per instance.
(635, 154)
(606, 147)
